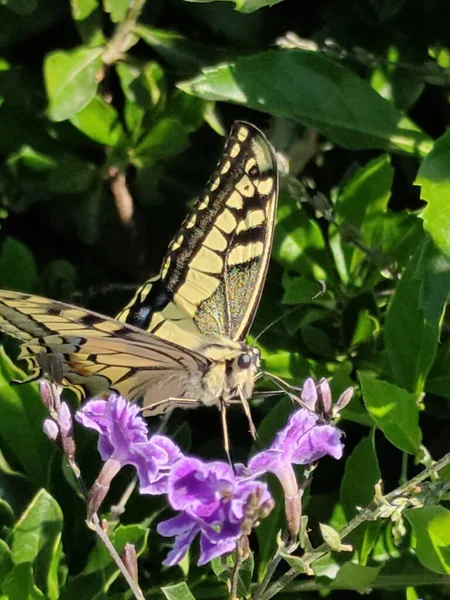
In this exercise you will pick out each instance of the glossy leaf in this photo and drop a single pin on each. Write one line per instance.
(360, 117)
(414, 316)
(17, 266)
(180, 591)
(21, 424)
(6, 561)
(355, 577)
(186, 55)
(298, 241)
(363, 197)
(37, 540)
(358, 490)
(71, 80)
(167, 138)
(19, 584)
(434, 179)
(99, 121)
(431, 526)
(117, 9)
(438, 381)
(394, 410)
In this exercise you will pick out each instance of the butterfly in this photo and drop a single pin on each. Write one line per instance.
(181, 340)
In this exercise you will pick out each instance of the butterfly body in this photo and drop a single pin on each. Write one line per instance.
(181, 340)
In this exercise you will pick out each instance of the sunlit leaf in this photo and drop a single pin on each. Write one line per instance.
(414, 316)
(318, 93)
(434, 179)
(180, 591)
(394, 410)
(71, 80)
(431, 525)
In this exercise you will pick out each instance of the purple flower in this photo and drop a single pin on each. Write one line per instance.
(214, 503)
(123, 440)
(303, 440)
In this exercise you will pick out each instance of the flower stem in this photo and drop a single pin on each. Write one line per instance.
(370, 513)
(94, 524)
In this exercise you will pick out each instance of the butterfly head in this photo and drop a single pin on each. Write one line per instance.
(249, 358)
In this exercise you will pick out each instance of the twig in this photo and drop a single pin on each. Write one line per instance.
(123, 198)
(119, 508)
(431, 71)
(368, 514)
(124, 37)
(94, 524)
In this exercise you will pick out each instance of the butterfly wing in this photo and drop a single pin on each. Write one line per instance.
(97, 354)
(214, 271)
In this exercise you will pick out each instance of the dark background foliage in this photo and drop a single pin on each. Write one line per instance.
(111, 119)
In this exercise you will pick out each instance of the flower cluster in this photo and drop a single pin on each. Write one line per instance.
(215, 501)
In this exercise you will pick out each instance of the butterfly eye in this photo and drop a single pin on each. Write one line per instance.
(244, 361)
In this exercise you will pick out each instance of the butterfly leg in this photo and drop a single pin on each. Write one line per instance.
(226, 439)
(163, 406)
(248, 414)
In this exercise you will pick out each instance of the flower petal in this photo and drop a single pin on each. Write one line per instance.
(319, 441)
(210, 550)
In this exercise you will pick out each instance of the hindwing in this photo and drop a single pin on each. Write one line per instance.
(214, 271)
(98, 354)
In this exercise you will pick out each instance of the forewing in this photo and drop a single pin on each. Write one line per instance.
(98, 354)
(215, 268)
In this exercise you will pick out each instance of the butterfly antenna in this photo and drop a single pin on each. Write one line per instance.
(277, 320)
(321, 292)
(292, 391)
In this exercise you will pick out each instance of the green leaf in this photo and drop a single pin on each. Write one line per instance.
(249, 6)
(117, 9)
(364, 196)
(289, 365)
(330, 536)
(37, 539)
(71, 175)
(21, 424)
(99, 121)
(144, 87)
(81, 9)
(431, 526)
(355, 577)
(70, 80)
(359, 118)
(395, 412)
(298, 240)
(179, 51)
(99, 558)
(438, 381)
(358, 489)
(180, 591)
(89, 586)
(434, 179)
(223, 568)
(300, 290)
(414, 316)
(17, 266)
(88, 19)
(360, 476)
(6, 562)
(165, 140)
(19, 584)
